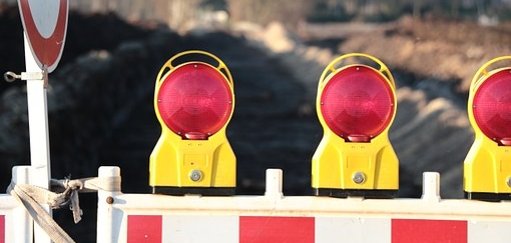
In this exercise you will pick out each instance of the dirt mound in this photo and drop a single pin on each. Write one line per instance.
(88, 100)
(446, 50)
(101, 114)
(86, 32)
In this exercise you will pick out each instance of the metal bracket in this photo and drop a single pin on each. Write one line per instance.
(12, 76)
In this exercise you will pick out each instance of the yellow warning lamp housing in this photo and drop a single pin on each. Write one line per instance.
(193, 102)
(356, 104)
(487, 167)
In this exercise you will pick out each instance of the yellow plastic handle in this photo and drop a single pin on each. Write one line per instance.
(483, 71)
(168, 66)
(382, 67)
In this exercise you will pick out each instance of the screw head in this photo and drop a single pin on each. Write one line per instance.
(110, 200)
(195, 175)
(508, 181)
(359, 177)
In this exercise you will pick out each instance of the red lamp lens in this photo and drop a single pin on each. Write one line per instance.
(357, 103)
(492, 107)
(195, 101)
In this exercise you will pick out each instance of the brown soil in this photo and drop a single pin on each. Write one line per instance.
(446, 50)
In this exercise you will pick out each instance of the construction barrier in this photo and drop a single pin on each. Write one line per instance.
(277, 218)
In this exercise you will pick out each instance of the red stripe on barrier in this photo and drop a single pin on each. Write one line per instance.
(2, 229)
(144, 228)
(419, 230)
(255, 229)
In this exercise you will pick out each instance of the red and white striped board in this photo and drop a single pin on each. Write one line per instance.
(264, 229)
(297, 219)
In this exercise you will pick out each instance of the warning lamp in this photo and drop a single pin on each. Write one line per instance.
(356, 105)
(194, 102)
(487, 167)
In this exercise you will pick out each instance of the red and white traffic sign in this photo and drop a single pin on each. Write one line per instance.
(45, 24)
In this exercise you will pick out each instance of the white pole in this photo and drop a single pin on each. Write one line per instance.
(38, 130)
(274, 183)
(22, 223)
(108, 225)
(431, 186)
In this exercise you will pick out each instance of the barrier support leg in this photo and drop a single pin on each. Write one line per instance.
(105, 221)
(22, 223)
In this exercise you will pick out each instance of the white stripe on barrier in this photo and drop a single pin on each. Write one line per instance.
(352, 230)
(484, 231)
(8, 233)
(197, 229)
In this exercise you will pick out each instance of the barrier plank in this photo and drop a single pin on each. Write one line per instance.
(278, 218)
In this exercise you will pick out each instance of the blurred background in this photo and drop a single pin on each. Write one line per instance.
(100, 96)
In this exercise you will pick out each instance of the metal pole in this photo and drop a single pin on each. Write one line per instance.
(38, 130)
